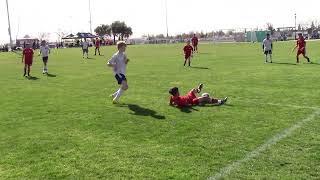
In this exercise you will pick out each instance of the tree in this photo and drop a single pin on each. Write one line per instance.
(270, 28)
(116, 28)
(160, 36)
(128, 32)
(102, 30)
(44, 36)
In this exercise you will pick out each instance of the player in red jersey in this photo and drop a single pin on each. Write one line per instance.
(97, 47)
(301, 45)
(188, 50)
(191, 98)
(195, 42)
(27, 58)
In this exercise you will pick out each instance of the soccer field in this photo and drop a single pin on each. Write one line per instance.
(64, 126)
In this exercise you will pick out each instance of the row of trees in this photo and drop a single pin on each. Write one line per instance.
(116, 29)
(190, 35)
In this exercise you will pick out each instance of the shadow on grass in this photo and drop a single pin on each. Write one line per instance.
(188, 109)
(313, 63)
(141, 111)
(51, 75)
(284, 63)
(195, 67)
(31, 78)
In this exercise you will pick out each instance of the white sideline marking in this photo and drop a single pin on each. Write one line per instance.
(256, 101)
(293, 106)
(274, 140)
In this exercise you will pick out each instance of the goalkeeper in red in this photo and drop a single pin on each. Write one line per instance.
(301, 45)
(191, 99)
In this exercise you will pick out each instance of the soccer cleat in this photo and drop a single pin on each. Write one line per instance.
(115, 102)
(200, 88)
(224, 100)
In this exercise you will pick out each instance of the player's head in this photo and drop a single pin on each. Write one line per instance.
(194, 35)
(121, 46)
(300, 35)
(174, 91)
(43, 43)
(268, 36)
(188, 42)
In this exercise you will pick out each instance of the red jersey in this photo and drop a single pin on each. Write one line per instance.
(97, 43)
(182, 101)
(188, 50)
(301, 43)
(194, 40)
(28, 54)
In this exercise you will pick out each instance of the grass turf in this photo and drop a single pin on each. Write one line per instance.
(64, 125)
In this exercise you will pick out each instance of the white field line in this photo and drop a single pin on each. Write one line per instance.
(255, 153)
(256, 101)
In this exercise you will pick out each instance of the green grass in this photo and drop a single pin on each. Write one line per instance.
(65, 127)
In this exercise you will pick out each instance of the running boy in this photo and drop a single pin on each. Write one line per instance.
(301, 45)
(267, 47)
(97, 47)
(45, 51)
(119, 63)
(85, 48)
(195, 41)
(188, 50)
(27, 58)
(191, 98)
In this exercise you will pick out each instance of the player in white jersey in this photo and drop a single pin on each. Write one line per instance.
(267, 47)
(45, 51)
(119, 63)
(85, 48)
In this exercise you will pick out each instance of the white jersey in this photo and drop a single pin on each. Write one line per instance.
(267, 44)
(44, 50)
(85, 45)
(118, 61)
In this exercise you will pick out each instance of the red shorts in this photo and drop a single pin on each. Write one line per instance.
(28, 62)
(192, 98)
(187, 56)
(301, 51)
(195, 44)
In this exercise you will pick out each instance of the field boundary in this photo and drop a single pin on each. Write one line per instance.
(272, 141)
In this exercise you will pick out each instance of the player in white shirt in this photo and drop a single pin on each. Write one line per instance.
(85, 48)
(119, 63)
(45, 51)
(267, 47)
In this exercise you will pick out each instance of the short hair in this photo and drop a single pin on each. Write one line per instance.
(173, 91)
(268, 34)
(121, 44)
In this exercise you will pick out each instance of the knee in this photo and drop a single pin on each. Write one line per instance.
(125, 87)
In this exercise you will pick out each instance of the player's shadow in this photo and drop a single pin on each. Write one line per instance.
(140, 111)
(188, 109)
(313, 63)
(284, 63)
(195, 67)
(31, 78)
(51, 75)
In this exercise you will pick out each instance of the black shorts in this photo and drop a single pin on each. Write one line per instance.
(120, 78)
(85, 51)
(45, 59)
(268, 52)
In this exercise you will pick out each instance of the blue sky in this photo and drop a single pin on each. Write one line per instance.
(148, 16)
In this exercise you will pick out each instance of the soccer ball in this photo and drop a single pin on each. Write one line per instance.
(205, 95)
